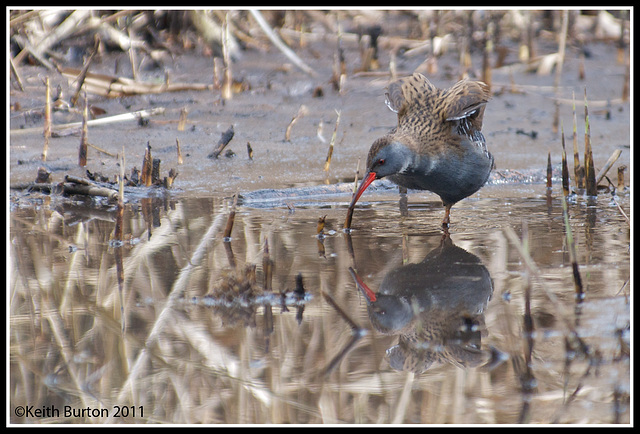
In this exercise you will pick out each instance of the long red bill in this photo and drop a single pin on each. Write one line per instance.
(366, 181)
(368, 293)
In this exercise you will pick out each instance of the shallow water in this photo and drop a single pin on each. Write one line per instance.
(171, 343)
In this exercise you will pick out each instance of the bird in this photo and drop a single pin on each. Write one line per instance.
(436, 307)
(438, 143)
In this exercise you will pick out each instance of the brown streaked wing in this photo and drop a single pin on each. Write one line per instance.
(464, 97)
(408, 94)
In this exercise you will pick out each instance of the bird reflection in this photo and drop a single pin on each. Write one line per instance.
(436, 307)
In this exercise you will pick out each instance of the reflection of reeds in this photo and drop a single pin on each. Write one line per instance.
(182, 363)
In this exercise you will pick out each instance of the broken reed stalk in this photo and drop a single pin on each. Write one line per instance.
(566, 189)
(168, 180)
(572, 253)
(147, 167)
(612, 159)
(225, 138)
(82, 151)
(621, 183)
(47, 119)
(327, 162)
(231, 218)
(577, 169)
(589, 172)
(179, 151)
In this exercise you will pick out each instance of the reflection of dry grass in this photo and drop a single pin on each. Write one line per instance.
(183, 363)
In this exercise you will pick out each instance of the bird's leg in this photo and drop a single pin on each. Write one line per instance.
(404, 206)
(445, 220)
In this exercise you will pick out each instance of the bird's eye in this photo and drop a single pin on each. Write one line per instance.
(381, 162)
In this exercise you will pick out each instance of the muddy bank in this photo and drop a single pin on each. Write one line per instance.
(518, 121)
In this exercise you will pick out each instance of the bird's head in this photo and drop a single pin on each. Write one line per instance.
(386, 157)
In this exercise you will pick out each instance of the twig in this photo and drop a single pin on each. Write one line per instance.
(612, 159)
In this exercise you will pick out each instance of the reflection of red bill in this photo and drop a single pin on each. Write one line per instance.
(366, 181)
(368, 293)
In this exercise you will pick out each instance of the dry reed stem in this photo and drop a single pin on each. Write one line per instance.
(302, 111)
(82, 150)
(275, 39)
(179, 151)
(79, 80)
(47, 119)
(64, 128)
(327, 162)
(621, 183)
(589, 172)
(147, 167)
(227, 82)
(577, 169)
(559, 65)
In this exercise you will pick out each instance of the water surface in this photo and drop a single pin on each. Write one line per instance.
(391, 323)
